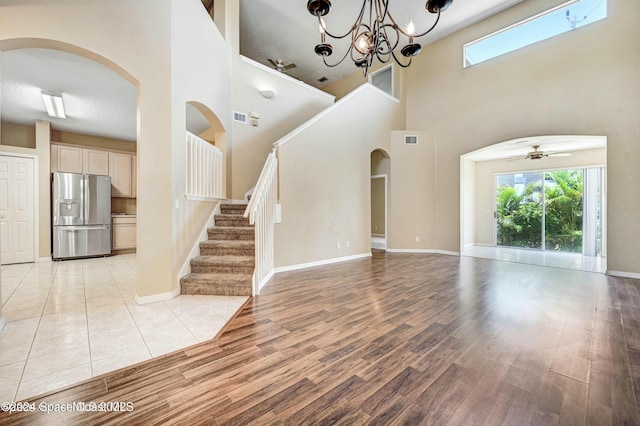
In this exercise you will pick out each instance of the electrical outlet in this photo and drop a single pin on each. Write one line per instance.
(417, 239)
(338, 245)
(347, 244)
(177, 203)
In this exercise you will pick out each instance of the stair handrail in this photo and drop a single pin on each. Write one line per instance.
(261, 211)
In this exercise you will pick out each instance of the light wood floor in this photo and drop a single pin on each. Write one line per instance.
(398, 339)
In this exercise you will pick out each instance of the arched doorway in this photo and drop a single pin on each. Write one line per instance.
(538, 200)
(380, 175)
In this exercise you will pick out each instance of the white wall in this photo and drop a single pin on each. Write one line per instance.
(485, 182)
(293, 104)
(325, 178)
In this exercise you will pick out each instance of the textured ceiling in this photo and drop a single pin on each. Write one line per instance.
(97, 100)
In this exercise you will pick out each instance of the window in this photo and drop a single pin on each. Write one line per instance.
(559, 20)
(383, 79)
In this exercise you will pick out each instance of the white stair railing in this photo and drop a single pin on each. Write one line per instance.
(261, 212)
(205, 169)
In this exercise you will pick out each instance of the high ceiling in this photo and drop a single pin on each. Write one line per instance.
(285, 30)
(99, 102)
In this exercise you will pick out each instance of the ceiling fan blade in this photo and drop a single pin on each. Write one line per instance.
(272, 62)
(290, 66)
(560, 154)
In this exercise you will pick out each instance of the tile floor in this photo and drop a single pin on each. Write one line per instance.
(72, 320)
(539, 257)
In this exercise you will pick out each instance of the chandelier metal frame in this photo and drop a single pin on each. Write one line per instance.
(375, 34)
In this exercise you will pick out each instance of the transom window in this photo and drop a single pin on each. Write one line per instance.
(564, 18)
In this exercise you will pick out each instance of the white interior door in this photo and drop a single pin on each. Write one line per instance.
(17, 209)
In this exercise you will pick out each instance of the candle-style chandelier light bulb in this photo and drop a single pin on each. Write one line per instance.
(376, 38)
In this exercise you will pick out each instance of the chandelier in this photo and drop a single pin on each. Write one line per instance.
(374, 34)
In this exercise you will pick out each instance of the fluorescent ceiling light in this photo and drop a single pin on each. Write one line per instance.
(53, 103)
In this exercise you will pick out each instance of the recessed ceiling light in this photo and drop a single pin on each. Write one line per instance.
(53, 103)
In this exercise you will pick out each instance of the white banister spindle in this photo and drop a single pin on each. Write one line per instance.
(261, 214)
(205, 169)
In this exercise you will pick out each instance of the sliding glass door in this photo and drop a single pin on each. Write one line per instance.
(519, 210)
(563, 192)
(559, 210)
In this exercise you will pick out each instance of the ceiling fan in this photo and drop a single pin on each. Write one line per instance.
(539, 155)
(279, 65)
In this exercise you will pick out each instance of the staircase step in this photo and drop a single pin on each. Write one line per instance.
(228, 248)
(216, 284)
(223, 264)
(231, 233)
(231, 220)
(233, 208)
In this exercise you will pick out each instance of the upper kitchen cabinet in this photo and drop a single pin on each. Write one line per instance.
(67, 159)
(122, 172)
(95, 162)
(119, 165)
(73, 159)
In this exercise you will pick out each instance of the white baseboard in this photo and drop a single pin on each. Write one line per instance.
(622, 274)
(144, 300)
(265, 280)
(2, 323)
(424, 251)
(321, 262)
(484, 245)
(44, 259)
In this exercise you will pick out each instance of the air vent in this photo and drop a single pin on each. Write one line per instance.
(322, 79)
(240, 117)
(410, 140)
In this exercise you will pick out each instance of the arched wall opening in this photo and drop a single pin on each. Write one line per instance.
(62, 58)
(530, 168)
(380, 184)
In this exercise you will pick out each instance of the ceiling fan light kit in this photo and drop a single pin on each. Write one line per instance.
(374, 35)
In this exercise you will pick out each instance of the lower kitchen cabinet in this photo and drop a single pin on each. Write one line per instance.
(124, 232)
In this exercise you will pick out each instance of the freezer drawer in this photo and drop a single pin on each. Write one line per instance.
(81, 241)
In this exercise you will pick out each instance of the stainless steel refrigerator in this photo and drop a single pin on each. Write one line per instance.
(81, 209)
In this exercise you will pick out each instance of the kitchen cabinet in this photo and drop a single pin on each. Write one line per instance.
(95, 162)
(69, 159)
(124, 232)
(121, 170)
(120, 166)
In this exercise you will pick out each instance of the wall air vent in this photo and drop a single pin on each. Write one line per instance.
(240, 117)
(410, 139)
(322, 79)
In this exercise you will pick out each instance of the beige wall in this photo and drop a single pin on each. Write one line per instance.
(380, 166)
(325, 178)
(412, 192)
(171, 51)
(93, 141)
(468, 202)
(582, 82)
(378, 212)
(18, 135)
(485, 182)
(293, 104)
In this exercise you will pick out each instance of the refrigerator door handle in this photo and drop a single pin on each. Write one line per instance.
(82, 228)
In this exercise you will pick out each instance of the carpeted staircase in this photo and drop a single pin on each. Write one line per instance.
(227, 259)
